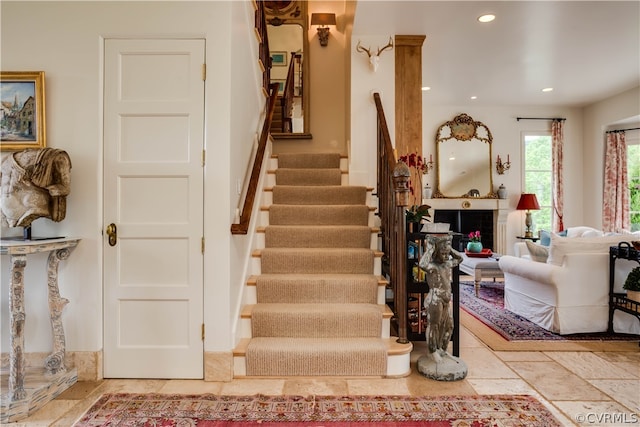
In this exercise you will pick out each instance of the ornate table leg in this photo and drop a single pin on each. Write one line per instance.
(17, 318)
(54, 363)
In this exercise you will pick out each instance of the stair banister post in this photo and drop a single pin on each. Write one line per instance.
(401, 176)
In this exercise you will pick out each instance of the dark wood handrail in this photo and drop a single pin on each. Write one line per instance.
(252, 190)
(392, 222)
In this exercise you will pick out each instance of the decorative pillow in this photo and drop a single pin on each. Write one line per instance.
(560, 246)
(545, 237)
(538, 253)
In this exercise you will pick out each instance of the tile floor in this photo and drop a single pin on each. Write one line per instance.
(603, 387)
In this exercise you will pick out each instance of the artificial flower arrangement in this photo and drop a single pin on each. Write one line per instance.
(474, 236)
(414, 161)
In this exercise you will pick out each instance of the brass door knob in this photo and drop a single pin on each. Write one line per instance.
(112, 233)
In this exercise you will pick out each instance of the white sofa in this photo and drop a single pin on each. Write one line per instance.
(569, 293)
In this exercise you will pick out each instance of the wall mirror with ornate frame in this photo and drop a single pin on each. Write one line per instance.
(289, 50)
(463, 152)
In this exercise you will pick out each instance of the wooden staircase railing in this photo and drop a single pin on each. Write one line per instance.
(252, 189)
(392, 192)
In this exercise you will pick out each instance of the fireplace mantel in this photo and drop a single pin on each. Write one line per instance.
(500, 207)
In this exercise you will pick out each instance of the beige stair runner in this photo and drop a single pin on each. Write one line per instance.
(317, 310)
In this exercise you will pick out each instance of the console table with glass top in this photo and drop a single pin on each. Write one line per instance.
(17, 400)
(619, 301)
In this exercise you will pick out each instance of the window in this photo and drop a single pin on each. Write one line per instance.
(633, 171)
(538, 177)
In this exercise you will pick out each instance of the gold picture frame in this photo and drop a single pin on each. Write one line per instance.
(22, 117)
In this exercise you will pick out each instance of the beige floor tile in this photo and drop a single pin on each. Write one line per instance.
(191, 387)
(419, 385)
(467, 339)
(597, 413)
(555, 382)
(48, 414)
(375, 386)
(482, 363)
(627, 361)
(502, 386)
(522, 356)
(587, 365)
(250, 386)
(132, 386)
(317, 386)
(627, 392)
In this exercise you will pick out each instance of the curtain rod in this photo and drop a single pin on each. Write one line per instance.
(621, 130)
(540, 118)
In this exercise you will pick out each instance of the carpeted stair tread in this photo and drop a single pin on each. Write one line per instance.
(316, 357)
(326, 236)
(319, 195)
(316, 320)
(284, 214)
(308, 176)
(309, 160)
(307, 288)
(317, 260)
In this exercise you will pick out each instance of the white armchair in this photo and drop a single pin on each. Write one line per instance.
(570, 292)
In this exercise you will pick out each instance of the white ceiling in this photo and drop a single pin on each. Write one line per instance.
(585, 50)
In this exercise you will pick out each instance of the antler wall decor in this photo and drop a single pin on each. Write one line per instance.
(374, 59)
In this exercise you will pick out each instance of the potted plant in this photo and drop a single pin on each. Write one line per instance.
(632, 285)
(415, 215)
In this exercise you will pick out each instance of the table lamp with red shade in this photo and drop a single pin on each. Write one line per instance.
(528, 202)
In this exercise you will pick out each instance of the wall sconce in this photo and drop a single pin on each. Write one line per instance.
(501, 167)
(427, 166)
(323, 20)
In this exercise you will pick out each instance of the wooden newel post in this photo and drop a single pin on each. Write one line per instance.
(401, 176)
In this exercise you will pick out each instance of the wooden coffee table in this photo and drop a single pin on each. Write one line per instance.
(481, 267)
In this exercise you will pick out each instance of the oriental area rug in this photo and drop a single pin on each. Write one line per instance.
(208, 410)
(488, 307)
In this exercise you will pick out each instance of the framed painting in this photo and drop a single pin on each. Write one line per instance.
(22, 116)
(279, 59)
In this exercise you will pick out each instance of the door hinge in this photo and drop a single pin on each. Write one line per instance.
(204, 157)
(202, 245)
(204, 72)
(203, 332)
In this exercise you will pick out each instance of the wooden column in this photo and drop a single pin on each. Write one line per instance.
(408, 87)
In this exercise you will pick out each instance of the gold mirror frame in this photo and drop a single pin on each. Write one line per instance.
(293, 12)
(468, 143)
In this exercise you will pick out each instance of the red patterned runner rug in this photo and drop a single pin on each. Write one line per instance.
(208, 410)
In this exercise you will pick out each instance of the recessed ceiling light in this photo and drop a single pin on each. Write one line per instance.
(474, 97)
(486, 18)
(426, 88)
(547, 89)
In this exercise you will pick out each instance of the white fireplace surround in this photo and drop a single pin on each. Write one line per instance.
(500, 208)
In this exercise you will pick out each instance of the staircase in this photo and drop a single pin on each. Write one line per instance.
(317, 300)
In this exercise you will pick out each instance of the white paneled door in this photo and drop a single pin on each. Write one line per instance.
(153, 208)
